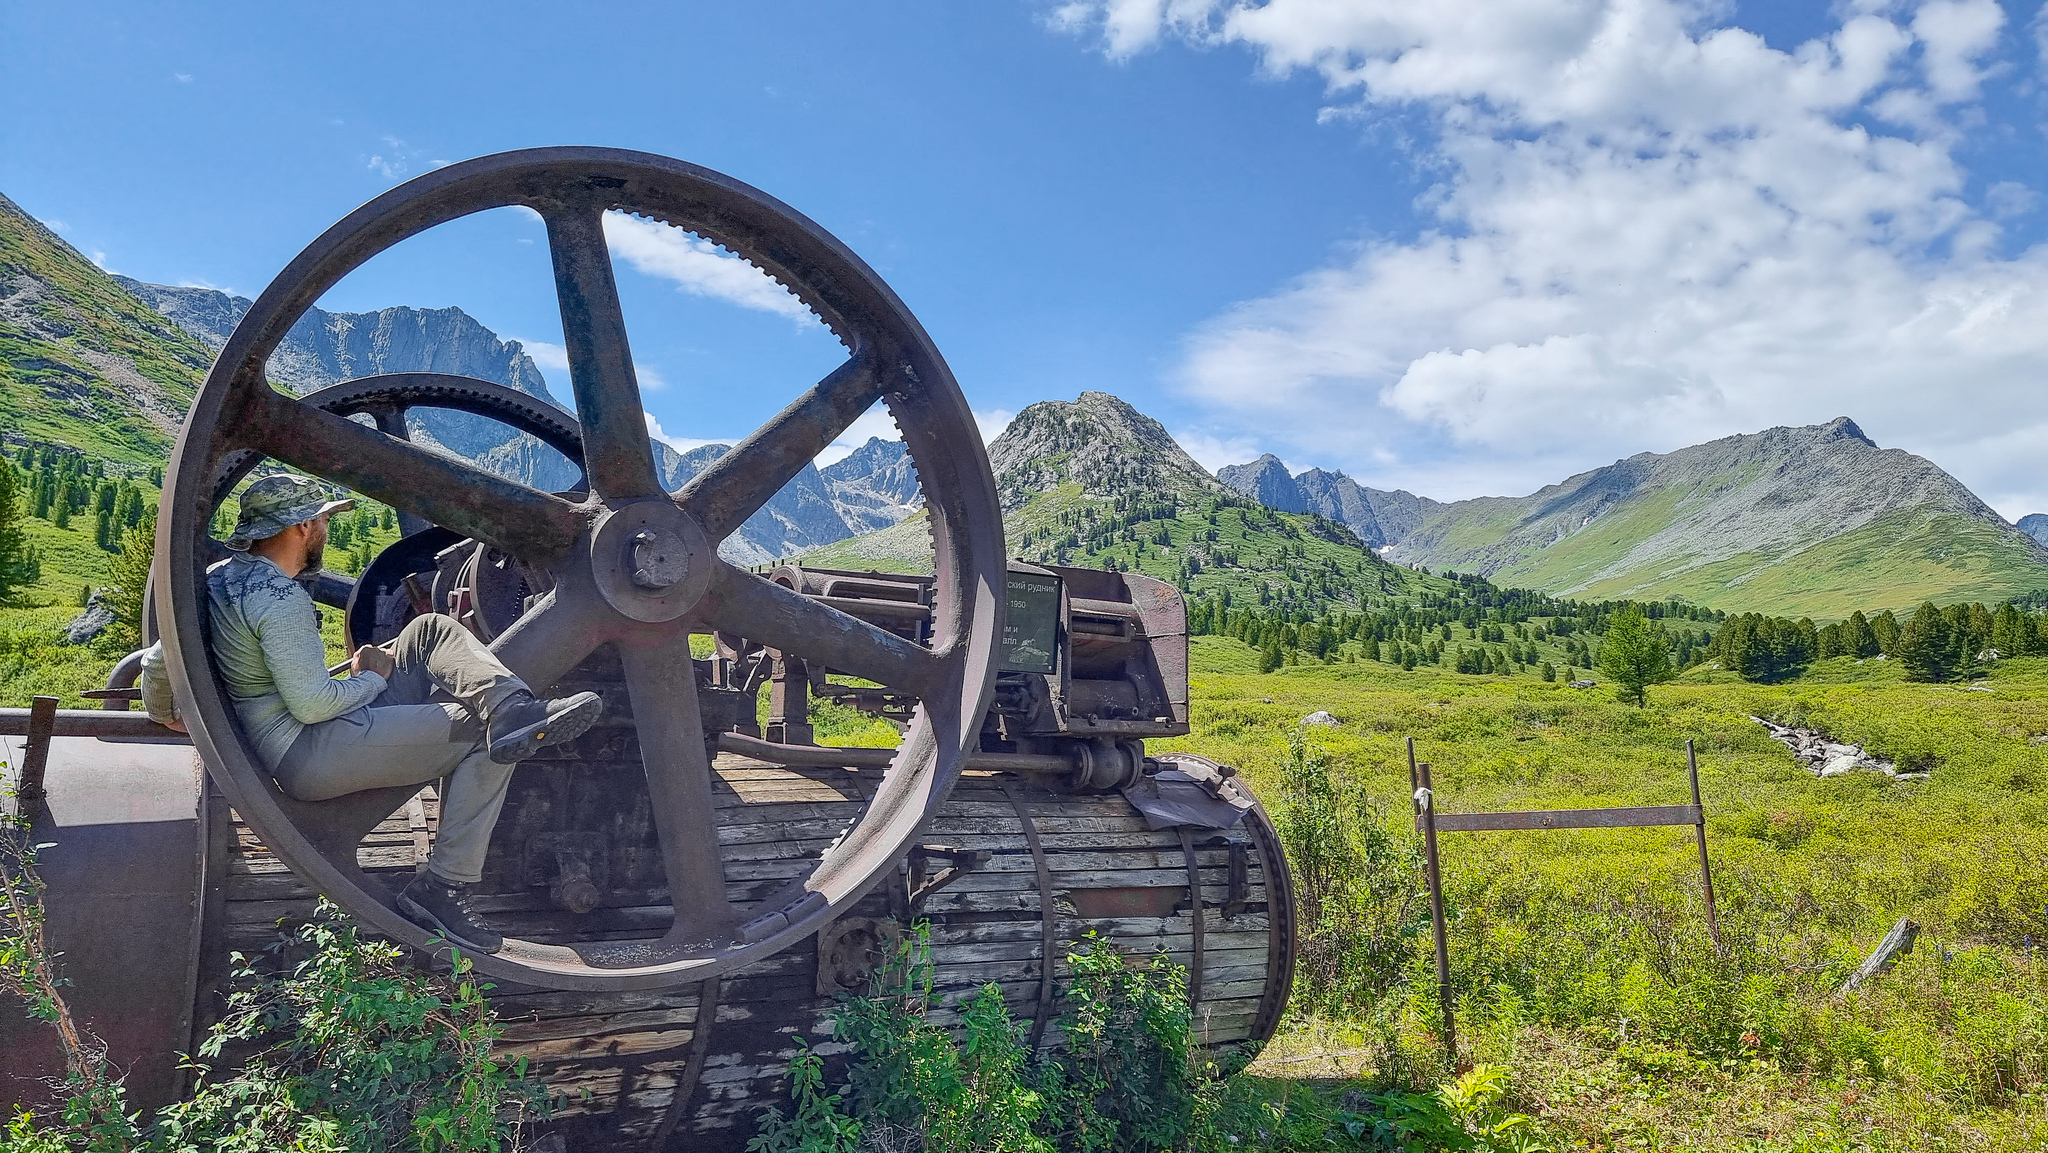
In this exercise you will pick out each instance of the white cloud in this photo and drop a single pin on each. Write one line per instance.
(650, 378)
(1647, 230)
(548, 356)
(182, 77)
(992, 422)
(391, 169)
(194, 282)
(1214, 452)
(681, 443)
(874, 422)
(697, 266)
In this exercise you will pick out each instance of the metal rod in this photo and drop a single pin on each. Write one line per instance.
(831, 757)
(1633, 817)
(1692, 769)
(1425, 804)
(85, 723)
(35, 757)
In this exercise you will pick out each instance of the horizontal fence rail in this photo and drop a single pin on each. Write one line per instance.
(1429, 822)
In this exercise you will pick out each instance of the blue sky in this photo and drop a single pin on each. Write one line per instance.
(1457, 255)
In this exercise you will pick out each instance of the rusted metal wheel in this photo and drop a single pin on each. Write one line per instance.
(634, 567)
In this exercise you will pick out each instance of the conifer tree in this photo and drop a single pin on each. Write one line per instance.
(129, 572)
(1634, 655)
(1927, 646)
(19, 564)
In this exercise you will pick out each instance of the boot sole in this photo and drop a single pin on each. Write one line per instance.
(567, 725)
(424, 917)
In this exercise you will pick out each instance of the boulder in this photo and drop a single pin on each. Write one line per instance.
(87, 625)
(1320, 717)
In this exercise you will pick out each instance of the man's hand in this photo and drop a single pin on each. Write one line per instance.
(371, 659)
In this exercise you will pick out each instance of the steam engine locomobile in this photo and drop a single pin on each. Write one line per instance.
(685, 888)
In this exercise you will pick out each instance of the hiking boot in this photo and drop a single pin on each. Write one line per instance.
(443, 907)
(521, 725)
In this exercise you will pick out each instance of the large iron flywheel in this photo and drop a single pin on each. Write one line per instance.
(633, 566)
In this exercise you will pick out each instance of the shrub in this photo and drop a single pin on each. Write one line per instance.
(350, 1048)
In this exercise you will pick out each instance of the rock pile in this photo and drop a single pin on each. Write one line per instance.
(1829, 758)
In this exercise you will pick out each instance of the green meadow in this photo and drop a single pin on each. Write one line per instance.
(1580, 960)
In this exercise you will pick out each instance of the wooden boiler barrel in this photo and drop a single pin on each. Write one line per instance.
(1036, 870)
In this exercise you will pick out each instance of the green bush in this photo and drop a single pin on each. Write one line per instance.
(340, 1046)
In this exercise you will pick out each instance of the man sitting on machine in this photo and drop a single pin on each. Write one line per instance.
(443, 704)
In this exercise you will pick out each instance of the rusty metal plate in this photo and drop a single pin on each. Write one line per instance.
(1129, 901)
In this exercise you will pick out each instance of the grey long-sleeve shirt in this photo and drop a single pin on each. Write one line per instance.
(266, 642)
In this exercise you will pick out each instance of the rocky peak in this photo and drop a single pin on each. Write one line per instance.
(2035, 525)
(1267, 481)
(1096, 441)
(1843, 428)
(875, 485)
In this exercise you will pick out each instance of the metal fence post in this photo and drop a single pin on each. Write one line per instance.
(35, 757)
(1692, 769)
(1425, 808)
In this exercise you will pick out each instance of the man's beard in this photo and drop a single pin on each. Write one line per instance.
(315, 550)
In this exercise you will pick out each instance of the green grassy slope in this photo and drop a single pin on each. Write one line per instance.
(1814, 521)
(1212, 543)
(1895, 562)
(82, 362)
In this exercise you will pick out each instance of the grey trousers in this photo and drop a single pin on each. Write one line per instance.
(427, 724)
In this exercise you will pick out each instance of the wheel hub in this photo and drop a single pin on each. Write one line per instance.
(651, 560)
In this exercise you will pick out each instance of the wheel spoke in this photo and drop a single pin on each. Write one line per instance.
(390, 420)
(544, 644)
(662, 681)
(452, 493)
(769, 614)
(736, 485)
(617, 454)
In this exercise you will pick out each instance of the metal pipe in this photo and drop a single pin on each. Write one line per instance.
(85, 723)
(1122, 610)
(832, 757)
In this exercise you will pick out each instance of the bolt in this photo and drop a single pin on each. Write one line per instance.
(657, 563)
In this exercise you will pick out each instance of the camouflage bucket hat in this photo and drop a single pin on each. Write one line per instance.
(276, 503)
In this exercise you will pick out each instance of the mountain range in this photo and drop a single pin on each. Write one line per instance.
(863, 491)
(1096, 483)
(108, 364)
(1815, 520)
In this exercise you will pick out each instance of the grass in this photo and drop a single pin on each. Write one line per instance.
(1580, 959)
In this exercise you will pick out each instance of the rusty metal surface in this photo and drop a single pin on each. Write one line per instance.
(1279, 881)
(1048, 942)
(685, 1093)
(1187, 848)
(123, 864)
(1614, 818)
(35, 757)
(111, 724)
(1128, 900)
(633, 568)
